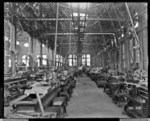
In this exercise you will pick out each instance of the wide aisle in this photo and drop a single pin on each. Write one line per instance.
(89, 101)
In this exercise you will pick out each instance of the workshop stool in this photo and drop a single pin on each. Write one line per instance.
(60, 102)
(54, 112)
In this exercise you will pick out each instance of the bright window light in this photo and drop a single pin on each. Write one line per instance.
(75, 14)
(6, 38)
(88, 55)
(43, 45)
(45, 56)
(76, 27)
(82, 14)
(17, 43)
(44, 61)
(122, 35)
(9, 65)
(136, 25)
(70, 56)
(26, 44)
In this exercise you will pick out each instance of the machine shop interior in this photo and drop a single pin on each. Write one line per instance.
(76, 60)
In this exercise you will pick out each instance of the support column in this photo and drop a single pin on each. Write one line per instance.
(127, 55)
(31, 46)
(66, 60)
(79, 59)
(6, 46)
(134, 51)
(41, 54)
(144, 38)
(102, 56)
(55, 49)
(12, 37)
(48, 57)
(30, 52)
(121, 57)
(34, 46)
(119, 63)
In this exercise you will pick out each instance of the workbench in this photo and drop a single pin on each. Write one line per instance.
(12, 88)
(137, 105)
(29, 102)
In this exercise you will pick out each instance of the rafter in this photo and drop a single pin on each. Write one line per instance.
(70, 19)
(75, 33)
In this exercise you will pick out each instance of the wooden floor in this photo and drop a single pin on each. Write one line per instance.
(90, 101)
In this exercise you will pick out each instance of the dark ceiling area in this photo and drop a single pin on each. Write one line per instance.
(86, 22)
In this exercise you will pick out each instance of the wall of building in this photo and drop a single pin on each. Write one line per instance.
(36, 50)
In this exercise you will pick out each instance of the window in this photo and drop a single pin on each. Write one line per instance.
(76, 14)
(44, 62)
(131, 49)
(61, 60)
(72, 60)
(137, 53)
(137, 56)
(57, 64)
(123, 55)
(57, 59)
(9, 63)
(17, 43)
(38, 60)
(26, 44)
(6, 38)
(25, 60)
(86, 60)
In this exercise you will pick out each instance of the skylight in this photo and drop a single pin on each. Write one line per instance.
(82, 5)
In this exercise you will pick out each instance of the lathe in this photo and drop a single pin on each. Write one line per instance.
(53, 95)
(29, 102)
(137, 101)
(15, 86)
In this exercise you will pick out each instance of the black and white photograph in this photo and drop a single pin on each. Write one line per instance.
(75, 60)
(135, 119)
(14, 120)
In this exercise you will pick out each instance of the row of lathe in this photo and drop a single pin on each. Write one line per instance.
(127, 89)
(38, 93)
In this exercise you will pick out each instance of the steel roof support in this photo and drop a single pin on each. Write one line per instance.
(84, 33)
(55, 49)
(137, 39)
